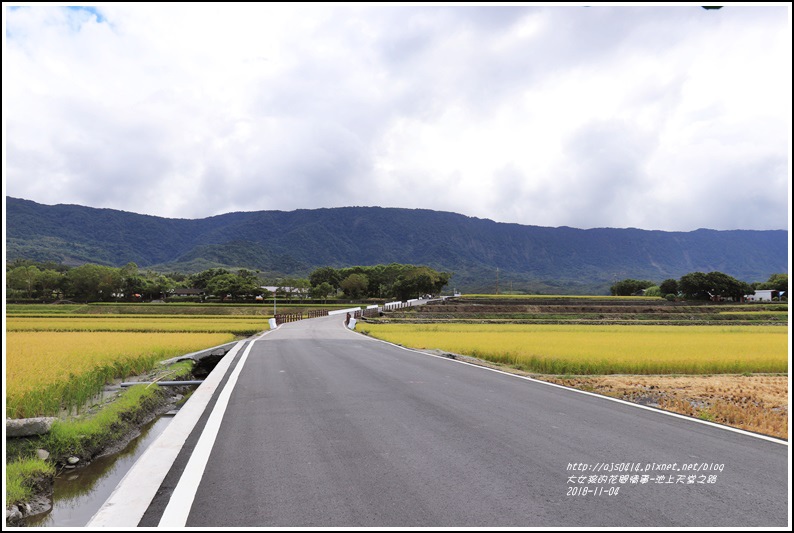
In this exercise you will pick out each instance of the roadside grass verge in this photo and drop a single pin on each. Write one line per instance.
(82, 437)
(23, 478)
(757, 402)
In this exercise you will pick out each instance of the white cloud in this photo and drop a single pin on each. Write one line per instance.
(586, 117)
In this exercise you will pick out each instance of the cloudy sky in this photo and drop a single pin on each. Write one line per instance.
(656, 117)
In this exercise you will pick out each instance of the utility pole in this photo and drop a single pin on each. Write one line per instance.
(497, 281)
(275, 290)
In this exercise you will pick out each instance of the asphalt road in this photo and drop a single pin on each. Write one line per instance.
(328, 428)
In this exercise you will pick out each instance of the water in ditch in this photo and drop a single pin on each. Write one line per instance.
(79, 493)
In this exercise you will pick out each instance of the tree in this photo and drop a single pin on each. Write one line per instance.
(302, 287)
(222, 285)
(700, 286)
(354, 285)
(82, 283)
(132, 282)
(48, 283)
(157, 286)
(443, 280)
(322, 291)
(694, 286)
(669, 286)
(653, 291)
(325, 274)
(247, 284)
(134, 285)
(384, 281)
(724, 286)
(419, 281)
(629, 287)
(23, 278)
(199, 281)
(776, 282)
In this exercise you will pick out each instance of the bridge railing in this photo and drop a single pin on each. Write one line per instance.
(283, 318)
(355, 312)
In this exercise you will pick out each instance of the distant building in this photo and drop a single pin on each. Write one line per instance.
(186, 293)
(295, 291)
(765, 295)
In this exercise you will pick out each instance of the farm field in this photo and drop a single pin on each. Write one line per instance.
(60, 356)
(577, 349)
(243, 325)
(49, 371)
(535, 309)
(163, 309)
(726, 363)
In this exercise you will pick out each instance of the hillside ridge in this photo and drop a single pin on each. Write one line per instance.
(529, 258)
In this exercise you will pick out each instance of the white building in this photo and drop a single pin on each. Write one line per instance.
(295, 291)
(765, 295)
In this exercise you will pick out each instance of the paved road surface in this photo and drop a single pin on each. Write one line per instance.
(326, 427)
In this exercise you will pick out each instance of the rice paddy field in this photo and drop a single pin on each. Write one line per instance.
(163, 309)
(243, 325)
(583, 350)
(58, 357)
(49, 371)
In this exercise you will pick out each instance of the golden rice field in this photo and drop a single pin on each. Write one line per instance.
(239, 325)
(577, 349)
(47, 371)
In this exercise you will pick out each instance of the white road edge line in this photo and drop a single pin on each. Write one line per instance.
(128, 502)
(624, 402)
(178, 509)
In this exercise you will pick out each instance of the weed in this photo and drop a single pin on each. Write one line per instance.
(705, 414)
(23, 476)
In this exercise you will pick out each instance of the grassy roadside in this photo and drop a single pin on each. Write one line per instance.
(25, 477)
(81, 438)
(753, 402)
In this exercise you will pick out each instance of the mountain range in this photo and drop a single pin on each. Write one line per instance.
(480, 253)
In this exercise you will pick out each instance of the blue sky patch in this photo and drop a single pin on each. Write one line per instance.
(89, 9)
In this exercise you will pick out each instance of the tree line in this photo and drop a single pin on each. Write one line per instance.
(98, 283)
(698, 286)
(394, 280)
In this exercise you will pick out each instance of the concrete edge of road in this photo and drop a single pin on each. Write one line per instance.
(593, 394)
(176, 512)
(132, 496)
